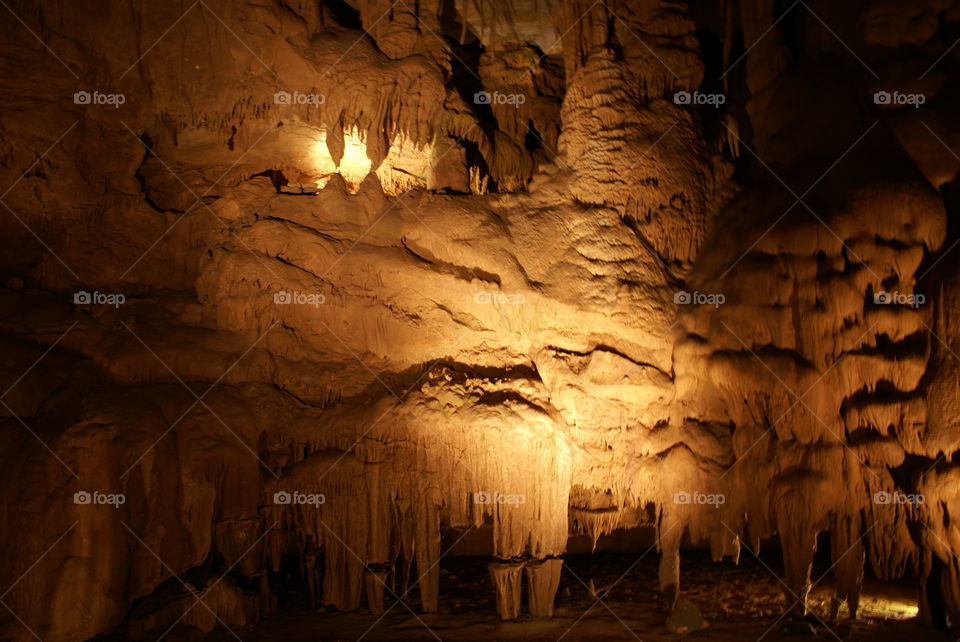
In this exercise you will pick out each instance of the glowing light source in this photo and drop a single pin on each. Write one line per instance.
(895, 608)
(405, 166)
(354, 166)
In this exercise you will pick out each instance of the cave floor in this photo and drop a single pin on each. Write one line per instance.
(739, 602)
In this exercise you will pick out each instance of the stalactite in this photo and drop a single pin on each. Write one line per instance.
(428, 552)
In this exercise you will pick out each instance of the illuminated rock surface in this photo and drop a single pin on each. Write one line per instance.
(325, 285)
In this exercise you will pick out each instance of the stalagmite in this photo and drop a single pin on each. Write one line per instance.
(669, 542)
(376, 582)
(506, 576)
(848, 558)
(543, 579)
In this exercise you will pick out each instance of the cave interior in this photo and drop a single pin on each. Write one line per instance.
(479, 320)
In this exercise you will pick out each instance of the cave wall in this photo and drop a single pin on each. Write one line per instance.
(557, 306)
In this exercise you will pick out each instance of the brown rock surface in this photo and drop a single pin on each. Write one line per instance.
(321, 281)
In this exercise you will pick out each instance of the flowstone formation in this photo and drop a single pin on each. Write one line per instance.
(322, 283)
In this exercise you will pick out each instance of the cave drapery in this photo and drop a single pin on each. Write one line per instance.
(321, 280)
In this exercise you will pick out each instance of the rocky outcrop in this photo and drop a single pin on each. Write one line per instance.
(317, 282)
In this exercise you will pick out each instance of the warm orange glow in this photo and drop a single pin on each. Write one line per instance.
(404, 168)
(354, 166)
(890, 608)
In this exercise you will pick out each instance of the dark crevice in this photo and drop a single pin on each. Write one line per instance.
(461, 272)
(342, 13)
(147, 143)
(606, 348)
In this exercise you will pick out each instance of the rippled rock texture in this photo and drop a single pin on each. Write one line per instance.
(316, 282)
